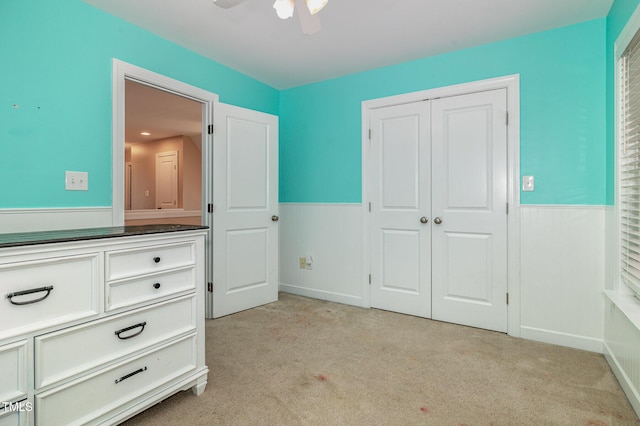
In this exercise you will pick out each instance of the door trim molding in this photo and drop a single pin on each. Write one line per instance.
(512, 85)
(124, 71)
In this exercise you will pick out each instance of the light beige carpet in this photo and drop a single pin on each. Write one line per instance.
(303, 361)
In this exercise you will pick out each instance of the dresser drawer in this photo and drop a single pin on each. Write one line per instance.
(47, 292)
(14, 363)
(84, 400)
(73, 351)
(132, 292)
(146, 260)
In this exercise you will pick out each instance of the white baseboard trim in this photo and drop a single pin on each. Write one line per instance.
(323, 295)
(562, 339)
(53, 219)
(160, 214)
(625, 383)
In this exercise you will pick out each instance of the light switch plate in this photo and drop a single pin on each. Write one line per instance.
(76, 181)
(527, 183)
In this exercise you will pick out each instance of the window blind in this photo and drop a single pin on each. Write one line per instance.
(629, 164)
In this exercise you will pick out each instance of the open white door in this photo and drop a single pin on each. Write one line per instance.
(245, 209)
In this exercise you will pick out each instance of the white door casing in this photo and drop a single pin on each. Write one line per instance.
(245, 209)
(401, 202)
(167, 180)
(469, 199)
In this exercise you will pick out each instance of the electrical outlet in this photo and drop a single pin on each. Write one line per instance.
(303, 263)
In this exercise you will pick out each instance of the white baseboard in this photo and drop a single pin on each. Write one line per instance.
(28, 220)
(625, 382)
(562, 339)
(322, 295)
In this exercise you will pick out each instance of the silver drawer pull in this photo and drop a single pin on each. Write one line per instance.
(25, 292)
(140, 370)
(124, 330)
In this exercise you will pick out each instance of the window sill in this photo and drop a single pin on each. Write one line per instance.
(628, 305)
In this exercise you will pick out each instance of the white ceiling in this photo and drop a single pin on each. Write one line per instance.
(356, 35)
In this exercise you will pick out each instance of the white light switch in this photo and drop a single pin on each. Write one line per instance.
(527, 183)
(76, 181)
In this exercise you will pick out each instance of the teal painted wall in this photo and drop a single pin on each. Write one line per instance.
(563, 121)
(620, 12)
(56, 66)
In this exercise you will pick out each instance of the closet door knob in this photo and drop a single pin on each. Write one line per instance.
(437, 221)
(423, 219)
(275, 218)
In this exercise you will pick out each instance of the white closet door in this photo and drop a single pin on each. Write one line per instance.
(400, 198)
(469, 171)
(245, 194)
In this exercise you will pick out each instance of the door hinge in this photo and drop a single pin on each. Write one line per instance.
(209, 208)
(369, 279)
(507, 119)
(507, 298)
(210, 287)
(369, 134)
(210, 129)
(369, 206)
(507, 208)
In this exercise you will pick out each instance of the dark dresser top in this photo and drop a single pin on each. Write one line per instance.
(67, 235)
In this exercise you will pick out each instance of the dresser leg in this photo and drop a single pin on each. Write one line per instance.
(198, 388)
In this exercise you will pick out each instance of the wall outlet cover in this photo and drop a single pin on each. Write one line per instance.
(76, 181)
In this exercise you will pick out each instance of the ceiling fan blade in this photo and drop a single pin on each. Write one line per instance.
(310, 23)
(226, 4)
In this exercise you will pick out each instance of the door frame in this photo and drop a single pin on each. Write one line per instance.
(122, 71)
(512, 84)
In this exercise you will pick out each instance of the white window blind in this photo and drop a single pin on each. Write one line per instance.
(629, 163)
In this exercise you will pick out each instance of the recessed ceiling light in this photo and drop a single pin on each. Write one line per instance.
(145, 134)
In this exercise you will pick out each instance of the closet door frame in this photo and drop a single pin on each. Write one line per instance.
(512, 85)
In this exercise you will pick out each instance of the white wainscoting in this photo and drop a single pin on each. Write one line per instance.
(28, 220)
(562, 275)
(332, 235)
(562, 266)
(622, 343)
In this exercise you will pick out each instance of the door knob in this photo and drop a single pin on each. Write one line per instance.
(423, 219)
(275, 218)
(437, 221)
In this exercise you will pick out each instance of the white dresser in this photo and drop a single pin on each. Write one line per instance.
(97, 325)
